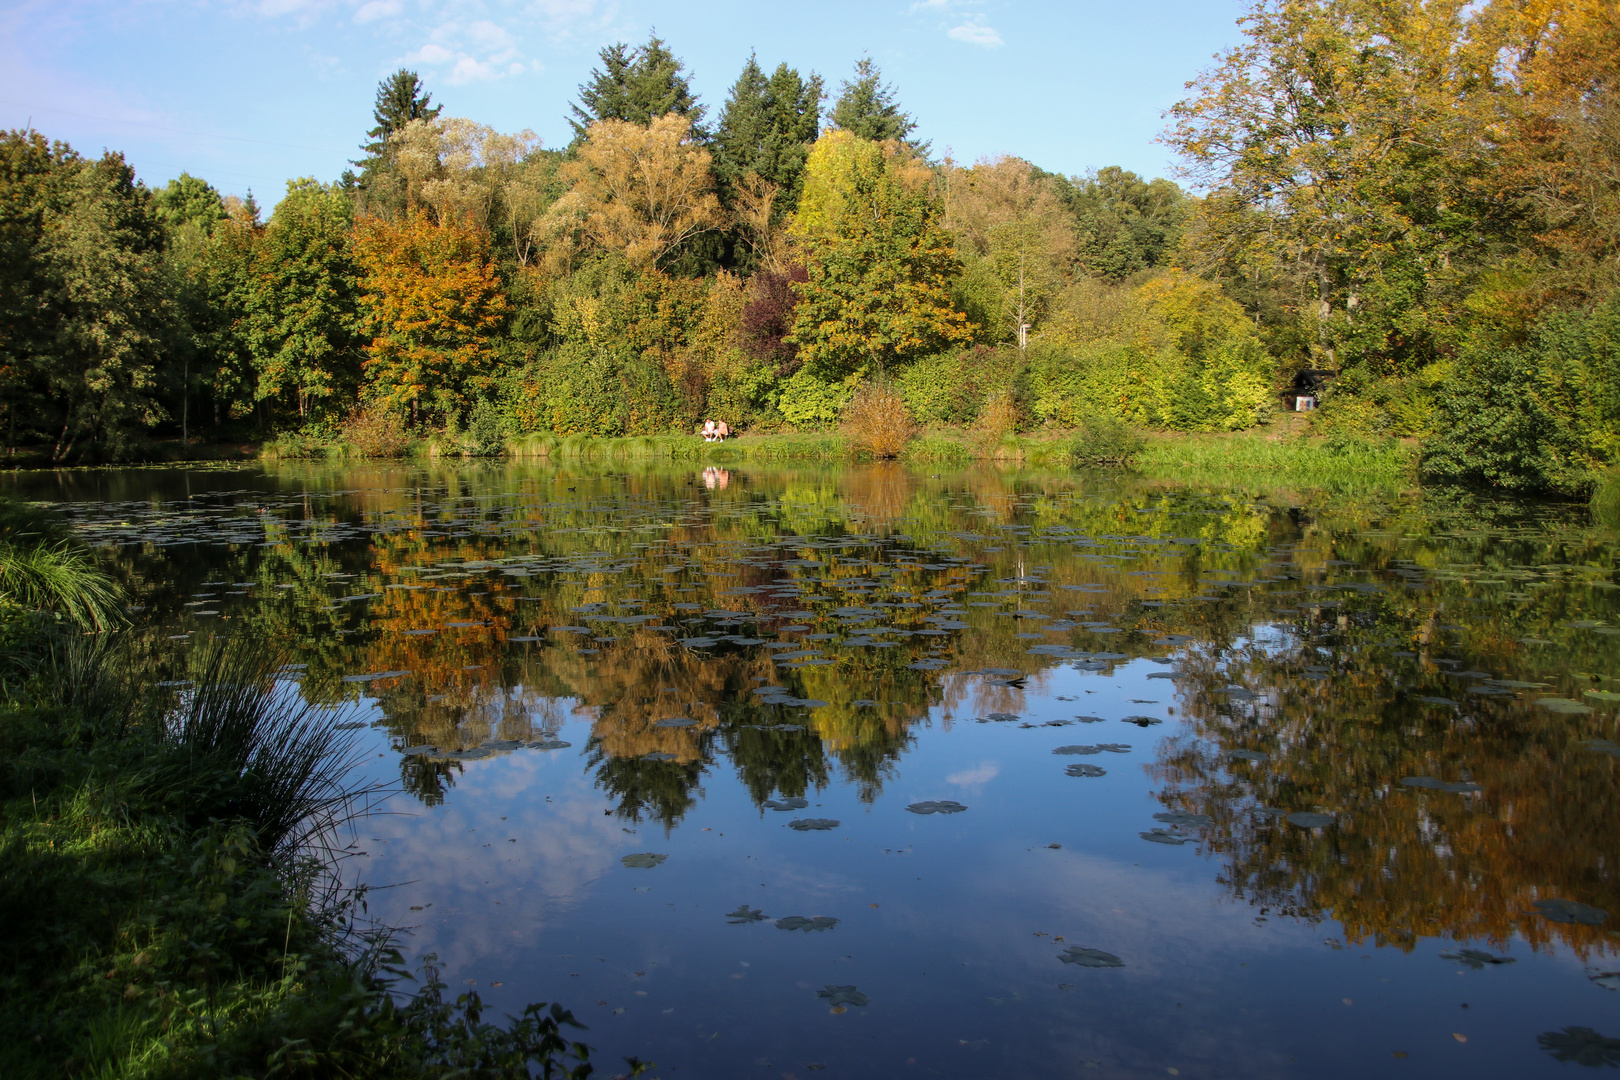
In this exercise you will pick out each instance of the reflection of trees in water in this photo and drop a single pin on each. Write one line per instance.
(661, 790)
(1399, 863)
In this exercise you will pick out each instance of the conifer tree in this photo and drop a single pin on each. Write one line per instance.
(767, 128)
(866, 107)
(637, 86)
(400, 99)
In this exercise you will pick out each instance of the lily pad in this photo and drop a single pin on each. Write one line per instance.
(549, 744)
(1436, 700)
(1091, 958)
(657, 755)
(799, 922)
(643, 860)
(944, 806)
(1602, 695)
(1078, 749)
(1559, 910)
(813, 823)
(1475, 959)
(1083, 769)
(1164, 836)
(842, 995)
(1249, 755)
(1454, 786)
(1142, 721)
(1564, 706)
(1181, 818)
(1602, 746)
(1308, 820)
(1581, 1045)
(674, 721)
(745, 914)
(794, 803)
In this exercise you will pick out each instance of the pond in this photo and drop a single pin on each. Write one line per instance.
(796, 773)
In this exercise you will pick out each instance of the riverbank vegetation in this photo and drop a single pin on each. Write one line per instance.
(1418, 200)
(168, 840)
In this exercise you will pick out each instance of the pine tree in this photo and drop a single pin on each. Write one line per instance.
(637, 86)
(400, 99)
(866, 107)
(767, 128)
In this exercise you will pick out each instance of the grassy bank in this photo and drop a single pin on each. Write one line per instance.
(167, 883)
(1261, 455)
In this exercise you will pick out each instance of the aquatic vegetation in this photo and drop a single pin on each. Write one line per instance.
(1475, 959)
(745, 914)
(642, 860)
(1560, 910)
(799, 922)
(814, 824)
(842, 995)
(943, 806)
(1081, 956)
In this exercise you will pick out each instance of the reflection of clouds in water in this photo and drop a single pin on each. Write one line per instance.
(980, 774)
(486, 899)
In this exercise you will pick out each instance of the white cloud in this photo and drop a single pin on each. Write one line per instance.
(929, 5)
(378, 9)
(982, 773)
(430, 54)
(469, 70)
(976, 34)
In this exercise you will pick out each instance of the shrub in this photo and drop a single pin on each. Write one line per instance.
(376, 433)
(999, 417)
(487, 429)
(1105, 440)
(1544, 416)
(876, 420)
(1606, 500)
(807, 400)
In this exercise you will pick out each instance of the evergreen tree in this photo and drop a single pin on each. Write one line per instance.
(767, 128)
(637, 86)
(400, 99)
(866, 107)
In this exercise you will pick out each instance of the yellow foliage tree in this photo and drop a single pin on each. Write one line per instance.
(431, 299)
(642, 191)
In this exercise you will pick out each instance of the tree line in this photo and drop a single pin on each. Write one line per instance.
(1419, 195)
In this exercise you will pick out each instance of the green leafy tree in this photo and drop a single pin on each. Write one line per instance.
(1124, 224)
(401, 98)
(89, 318)
(636, 86)
(866, 107)
(879, 260)
(301, 304)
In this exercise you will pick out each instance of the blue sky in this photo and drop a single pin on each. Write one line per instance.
(250, 93)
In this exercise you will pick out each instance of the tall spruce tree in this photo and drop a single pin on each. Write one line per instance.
(401, 98)
(637, 86)
(867, 109)
(767, 128)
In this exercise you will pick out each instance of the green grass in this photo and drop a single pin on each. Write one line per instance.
(678, 448)
(1244, 456)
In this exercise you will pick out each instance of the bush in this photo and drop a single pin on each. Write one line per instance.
(1539, 417)
(999, 417)
(487, 429)
(376, 433)
(876, 420)
(807, 400)
(1105, 440)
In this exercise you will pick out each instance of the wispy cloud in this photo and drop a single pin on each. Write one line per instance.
(976, 34)
(378, 9)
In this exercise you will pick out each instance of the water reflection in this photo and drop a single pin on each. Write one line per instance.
(1396, 714)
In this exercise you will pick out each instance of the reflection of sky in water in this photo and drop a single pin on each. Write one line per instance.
(1257, 949)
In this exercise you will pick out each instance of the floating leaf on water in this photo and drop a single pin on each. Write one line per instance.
(811, 703)
(1091, 958)
(818, 823)
(353, 725)
(1141, 721)
(1182, 819)
(1565, 706)
(1249, 755)
(657, 755)
(674, 721)
(644, 860)
(1307, 820)
(548, 744)
(842, 995)
(1609, 980)
(1475, 959)
(1164, 836)
(1436, 700)
(1601, 746)
(799, 922)
(1002, 717)
(1581, 1045)
(745, 914)
(1088, 719)
(1078, 749)
(1085, 770)
(1601, 695)
(418, 751)
(793, 803)
(1560, 910)
(944, 806)
(1453, 786)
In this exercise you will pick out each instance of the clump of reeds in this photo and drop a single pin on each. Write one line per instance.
(60, 580)
(877, 421)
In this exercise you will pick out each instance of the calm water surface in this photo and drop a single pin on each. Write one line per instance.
(873, 773)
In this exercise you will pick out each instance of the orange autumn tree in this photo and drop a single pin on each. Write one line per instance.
(431, 300)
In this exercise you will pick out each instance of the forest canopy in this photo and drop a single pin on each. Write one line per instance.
(1419, 197)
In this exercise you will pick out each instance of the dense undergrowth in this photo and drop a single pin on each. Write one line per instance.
(167, 889)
